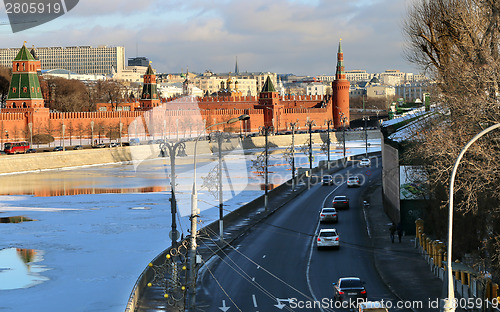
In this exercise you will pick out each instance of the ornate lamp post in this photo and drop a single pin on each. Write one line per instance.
(329, 123)
(171, 148)
(194, 219)
(293, 126)
(343, 118)
(265, 131)
(310, 124)
(365, 119)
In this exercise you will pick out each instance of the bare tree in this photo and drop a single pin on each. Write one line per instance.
(457, 43)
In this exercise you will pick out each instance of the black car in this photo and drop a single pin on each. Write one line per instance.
(58, 149)
(31, 150)
(340, 202)
(349, 289)
(78, 147)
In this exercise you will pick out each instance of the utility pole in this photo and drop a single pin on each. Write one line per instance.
(365, 119)
(265, 130)
(310, 124)
(343, 118)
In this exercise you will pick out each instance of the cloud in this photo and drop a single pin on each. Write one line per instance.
(280, 35)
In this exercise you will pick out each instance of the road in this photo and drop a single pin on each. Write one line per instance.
(276, 266)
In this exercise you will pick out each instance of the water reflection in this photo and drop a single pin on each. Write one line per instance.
(17, 268)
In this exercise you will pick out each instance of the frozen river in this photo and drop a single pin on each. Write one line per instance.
(96, 228)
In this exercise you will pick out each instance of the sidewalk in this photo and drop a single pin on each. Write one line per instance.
(400, 265)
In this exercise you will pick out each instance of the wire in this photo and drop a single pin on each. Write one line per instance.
(227, 295)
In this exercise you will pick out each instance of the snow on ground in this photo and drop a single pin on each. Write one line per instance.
(91, 248)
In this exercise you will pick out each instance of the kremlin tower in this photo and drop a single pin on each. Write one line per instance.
(340, 88)
(149, 96)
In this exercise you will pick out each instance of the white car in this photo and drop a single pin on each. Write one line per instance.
(328, 238)
(353, 181)
(365, 162)
(371, 306)
(328, 214)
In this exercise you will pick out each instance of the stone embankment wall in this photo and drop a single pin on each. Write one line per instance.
(70, 158)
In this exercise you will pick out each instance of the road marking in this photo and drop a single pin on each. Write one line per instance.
(258, 267)
(263, 256)
(253, 279)
(367, 225)
(311, 251)
(254, 301)
(224, 308)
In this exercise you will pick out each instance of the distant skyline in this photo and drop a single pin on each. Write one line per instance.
(284, 36)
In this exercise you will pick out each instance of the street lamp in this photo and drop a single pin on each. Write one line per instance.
(194, 218)
(450, 301)
(310, 124)
(293, 126)
(329, 123)
(265, 130)
(365, 119)
(343, 118)
(92, 133)
(220, 136)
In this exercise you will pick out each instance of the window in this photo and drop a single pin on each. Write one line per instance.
(25, 89)
(14, 89)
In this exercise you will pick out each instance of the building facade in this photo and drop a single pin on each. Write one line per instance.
(80, 59)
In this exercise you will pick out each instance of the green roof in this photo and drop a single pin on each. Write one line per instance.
(150, 70)
(24, 55)
(268, 86)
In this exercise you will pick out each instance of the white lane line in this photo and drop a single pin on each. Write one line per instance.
(311, 252)
(254, 301)
(367, 225)
(263, 256)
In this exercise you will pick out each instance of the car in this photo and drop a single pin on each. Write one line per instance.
(134, 141)
(58, 149)
(365, 162)
(327, 180)
(78, 147)
(31, 150)
(340, 202)
(349, 289)
(328, 238)
(371, 306)
(100, 145)
(113, 144)
(328, 214)
(353, 181)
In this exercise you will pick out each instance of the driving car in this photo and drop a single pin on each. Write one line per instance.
(327, 180)
(328, 238)
(353, 181)
(365, 162)
(58, 149)
(113, 144)
(340, 202)
(328, 214)
(78, 147)
(31, 150)
(349, 289)
(100, 145)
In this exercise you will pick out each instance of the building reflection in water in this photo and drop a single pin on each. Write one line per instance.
(18, 268)
(48, 192)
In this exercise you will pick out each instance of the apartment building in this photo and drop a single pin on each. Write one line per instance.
(79, 59)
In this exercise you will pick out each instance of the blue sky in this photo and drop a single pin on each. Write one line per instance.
(284, 36)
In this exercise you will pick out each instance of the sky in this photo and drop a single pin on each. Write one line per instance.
(283, 36)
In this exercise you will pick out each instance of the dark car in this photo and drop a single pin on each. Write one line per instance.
(31, 150)
(340, 202)
(349, 289)
(101, 145)
(78, 147)
(58, 149)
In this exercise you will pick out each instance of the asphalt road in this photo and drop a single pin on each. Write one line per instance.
(276, 266)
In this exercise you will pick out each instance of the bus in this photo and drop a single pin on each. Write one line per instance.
(16, 147)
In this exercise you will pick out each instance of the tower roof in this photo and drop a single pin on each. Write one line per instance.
(340, 72)
(24, 55)
(268, 86)
(149, 71)
(340, 46)
(236, 69)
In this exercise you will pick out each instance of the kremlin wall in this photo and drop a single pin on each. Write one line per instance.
(152, 118)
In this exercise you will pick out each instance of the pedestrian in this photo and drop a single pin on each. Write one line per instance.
(392, 229)
(400, 231)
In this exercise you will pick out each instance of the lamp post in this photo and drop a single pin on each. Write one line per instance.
(265, 130)
(92, 133)
(310, 124)
(329, 123)
(365, 119)
(450, 301)
(343, 118)
(220, 136)
(194, 219)
(293, 126)
(172, 148)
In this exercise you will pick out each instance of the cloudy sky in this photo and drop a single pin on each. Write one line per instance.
(284, 36)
